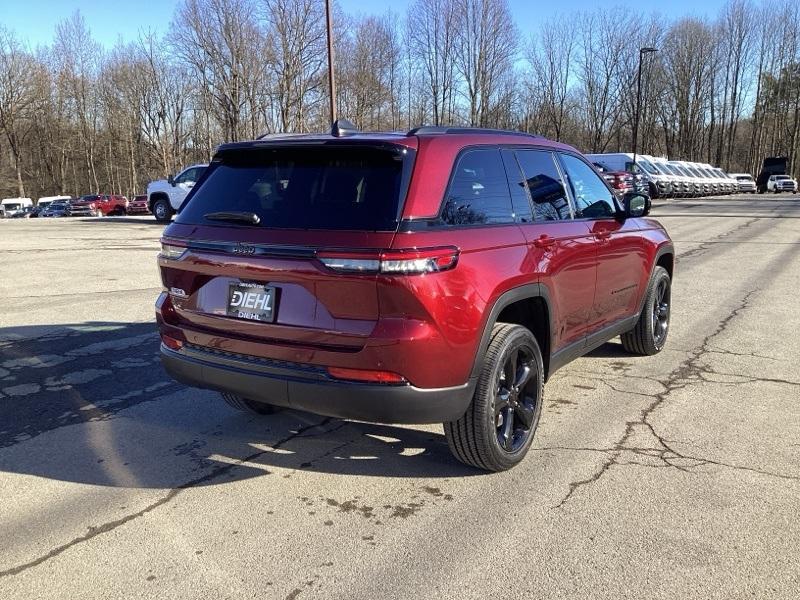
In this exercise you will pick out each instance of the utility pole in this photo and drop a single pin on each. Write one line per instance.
(331, 76)
(642, 52)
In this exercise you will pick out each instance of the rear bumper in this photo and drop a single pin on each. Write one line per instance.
(309, 388)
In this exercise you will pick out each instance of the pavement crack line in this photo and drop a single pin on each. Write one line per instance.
(707, 245)
(94, 531)
(688, 371)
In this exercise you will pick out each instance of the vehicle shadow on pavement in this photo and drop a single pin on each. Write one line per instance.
(609, 350)
(90, 403)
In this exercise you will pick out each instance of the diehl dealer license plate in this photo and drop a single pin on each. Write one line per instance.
(253, 301)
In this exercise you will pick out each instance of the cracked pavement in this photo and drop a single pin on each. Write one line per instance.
(674, 476)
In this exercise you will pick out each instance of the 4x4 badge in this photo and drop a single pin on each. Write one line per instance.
(244, 249)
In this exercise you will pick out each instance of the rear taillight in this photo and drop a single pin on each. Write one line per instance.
(409, 261)
(171, 250)
(365, 375)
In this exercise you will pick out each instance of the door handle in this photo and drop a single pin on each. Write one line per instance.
(544, 241)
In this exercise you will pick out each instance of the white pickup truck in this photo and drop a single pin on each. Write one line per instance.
(165, 196)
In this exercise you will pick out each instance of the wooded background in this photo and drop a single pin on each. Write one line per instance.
(77, 118)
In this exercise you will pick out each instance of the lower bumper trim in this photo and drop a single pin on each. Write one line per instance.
(363, 402)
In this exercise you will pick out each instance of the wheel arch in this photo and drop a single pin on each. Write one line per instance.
(527, 305)
(151, 200)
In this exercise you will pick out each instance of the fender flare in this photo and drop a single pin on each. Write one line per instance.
(523, 292)
(151, 199)
(665, 248)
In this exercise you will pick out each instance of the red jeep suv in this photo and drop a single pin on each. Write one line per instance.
(436, 276)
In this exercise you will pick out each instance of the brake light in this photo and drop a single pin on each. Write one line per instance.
(365, 375)
(407, 261)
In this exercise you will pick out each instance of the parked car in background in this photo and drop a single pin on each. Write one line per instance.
(165, 196)
(99, 205)
(695, 185)
(772, 165)
(12, 206)
(357, 277)
(138, 205)
(621, 181)
(781, 183)
(681, 186)
(45, 201)
(658, 184)
(58, 208)
(745, 182)
(24, 213)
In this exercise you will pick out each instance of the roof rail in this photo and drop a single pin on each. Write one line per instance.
(427, 130)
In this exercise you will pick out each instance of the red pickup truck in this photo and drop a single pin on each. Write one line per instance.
(99, 205)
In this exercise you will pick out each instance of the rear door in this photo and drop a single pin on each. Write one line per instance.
(620, 252)
(561, 250)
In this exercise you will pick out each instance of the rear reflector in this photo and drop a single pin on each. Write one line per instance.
(395, 262)
(365, 375)
(171, 342)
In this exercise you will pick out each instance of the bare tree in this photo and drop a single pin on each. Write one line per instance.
(485, 45)
(431, 38)
(20, 97)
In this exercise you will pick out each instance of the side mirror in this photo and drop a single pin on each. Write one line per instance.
(635, 205)
(171, 180)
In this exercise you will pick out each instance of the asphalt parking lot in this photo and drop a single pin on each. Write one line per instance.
(675, 476)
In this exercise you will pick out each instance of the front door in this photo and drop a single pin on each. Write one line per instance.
(620, 252)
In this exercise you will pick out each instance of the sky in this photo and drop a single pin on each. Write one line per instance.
(35, 20)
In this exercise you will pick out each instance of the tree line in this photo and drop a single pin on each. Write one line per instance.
(78, 118)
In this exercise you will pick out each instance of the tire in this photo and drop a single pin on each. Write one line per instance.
(496, 410)
(245, 405)
(651, 331)
(98, 213)
(162, 211)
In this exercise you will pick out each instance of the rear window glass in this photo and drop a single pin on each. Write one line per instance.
(303, 188)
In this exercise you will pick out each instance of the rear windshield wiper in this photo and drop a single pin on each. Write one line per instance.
(250, 218)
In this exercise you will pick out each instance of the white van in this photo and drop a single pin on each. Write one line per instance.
(681, 186)
(696, 187)
(658, 183)
(12, 206)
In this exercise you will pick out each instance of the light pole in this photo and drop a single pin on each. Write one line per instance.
(331, 82)
(642, 52)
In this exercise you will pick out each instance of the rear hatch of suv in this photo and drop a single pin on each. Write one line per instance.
(274, 245)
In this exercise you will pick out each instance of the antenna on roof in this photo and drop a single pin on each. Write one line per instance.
(343, 128)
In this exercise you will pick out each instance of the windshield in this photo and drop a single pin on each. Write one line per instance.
(11, 206)
(669, 169)
(682, 170)
(304, 188)
(88, 198)
(648, 166)
(781, 177)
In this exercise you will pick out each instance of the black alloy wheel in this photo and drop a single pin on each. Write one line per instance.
(498, 427)
(516, 399)
(649, 336)
(661, 313)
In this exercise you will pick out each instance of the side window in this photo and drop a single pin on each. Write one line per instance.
(593, 200)
(520, 198)
(543, 182)
(478, 192)
(189, 175)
